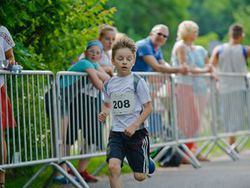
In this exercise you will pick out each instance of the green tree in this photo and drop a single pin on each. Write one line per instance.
(242, 16)
(136, 18)
(49, 34)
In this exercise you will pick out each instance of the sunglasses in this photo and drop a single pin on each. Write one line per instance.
(160, 34)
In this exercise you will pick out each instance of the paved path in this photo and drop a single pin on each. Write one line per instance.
(220, 173)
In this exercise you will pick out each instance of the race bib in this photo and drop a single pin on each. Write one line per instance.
(123, 103)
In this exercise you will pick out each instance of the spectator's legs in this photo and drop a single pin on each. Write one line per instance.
(3, 160)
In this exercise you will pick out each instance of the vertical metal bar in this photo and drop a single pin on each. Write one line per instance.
(24, 119)
(18, 118)
(45, 120)
(29, 118)
(85, 115)
(39, 115)
(7, 118)
(1, 130)
(34, 114)
(81, 115)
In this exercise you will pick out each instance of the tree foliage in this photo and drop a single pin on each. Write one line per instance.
(49, 34)
(216, 16)
(136, 18)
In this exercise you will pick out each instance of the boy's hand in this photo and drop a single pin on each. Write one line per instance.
(129, 131)
(102, 116)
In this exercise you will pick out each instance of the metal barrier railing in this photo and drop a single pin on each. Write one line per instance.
(53, 121)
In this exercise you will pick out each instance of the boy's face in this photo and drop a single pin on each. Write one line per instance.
(93, 53)
(124, 60)
(107, 40)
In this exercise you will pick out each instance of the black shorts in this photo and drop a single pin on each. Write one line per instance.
(83, 115)
(135, 149)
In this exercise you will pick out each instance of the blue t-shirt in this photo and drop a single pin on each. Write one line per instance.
(80, 66)
(145, 48)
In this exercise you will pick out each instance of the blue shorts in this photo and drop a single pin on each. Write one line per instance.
(135, 149)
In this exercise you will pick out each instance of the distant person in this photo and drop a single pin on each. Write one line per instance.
(190, 92)
(6, 53)
(107, 35)
(231, 57)
(127, 95)
(149, 56)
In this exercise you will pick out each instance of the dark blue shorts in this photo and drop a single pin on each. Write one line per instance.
(135, 149)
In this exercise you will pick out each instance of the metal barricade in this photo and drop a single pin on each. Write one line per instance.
(79, 103)
(28, 121)
(29, 133)
(232, 110)
(51, 122)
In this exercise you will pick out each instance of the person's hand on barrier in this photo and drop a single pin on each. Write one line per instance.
(183, 69)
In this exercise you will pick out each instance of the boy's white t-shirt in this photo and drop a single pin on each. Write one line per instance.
(6, 43)
(124, 85)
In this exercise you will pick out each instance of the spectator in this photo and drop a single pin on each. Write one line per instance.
(96, 76)
(185, 52)
(131, 105)
(149, 56)
(231, 57)
(107, 37)
(6, 53)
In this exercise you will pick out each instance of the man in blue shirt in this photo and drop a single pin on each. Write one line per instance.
(149, 56)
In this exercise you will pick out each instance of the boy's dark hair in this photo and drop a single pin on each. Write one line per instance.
(123, 42)
(236, 31)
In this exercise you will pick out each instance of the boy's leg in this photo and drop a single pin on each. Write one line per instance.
(115, 173)
(138, 154)
(115, 156)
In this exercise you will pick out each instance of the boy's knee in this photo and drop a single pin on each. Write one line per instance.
(114, 168)
(139, 176)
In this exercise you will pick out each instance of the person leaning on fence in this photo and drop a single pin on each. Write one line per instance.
(149, 56)
(231, 57)
(128, 96)
(6, 53)
(96, 76)
(107, 35)
(185, 52)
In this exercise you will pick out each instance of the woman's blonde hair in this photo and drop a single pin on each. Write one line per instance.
(103, 29)
(186, 28)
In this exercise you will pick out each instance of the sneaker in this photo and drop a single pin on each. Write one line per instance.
(86, 176)
(151, 166)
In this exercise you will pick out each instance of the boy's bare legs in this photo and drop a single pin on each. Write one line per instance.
(115, 173)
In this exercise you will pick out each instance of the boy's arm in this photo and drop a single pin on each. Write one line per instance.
(105, 112)
(129, 131)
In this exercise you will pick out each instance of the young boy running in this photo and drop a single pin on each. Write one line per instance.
(127, 95)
